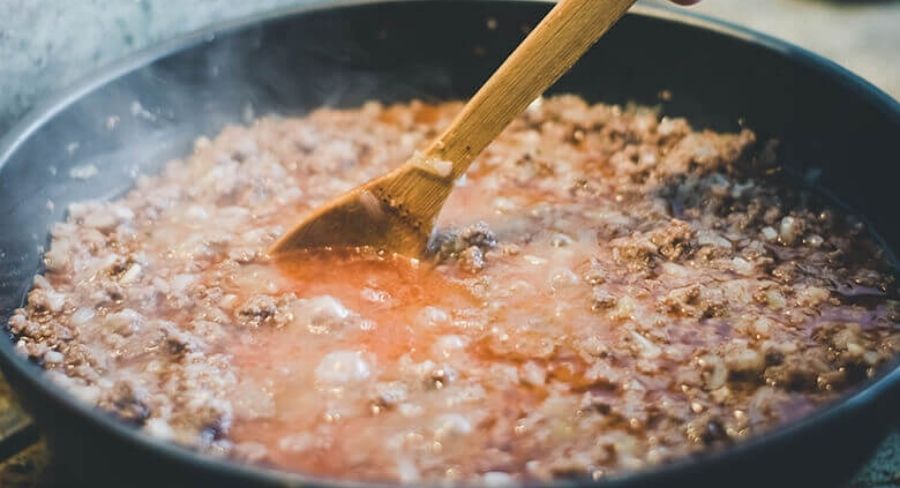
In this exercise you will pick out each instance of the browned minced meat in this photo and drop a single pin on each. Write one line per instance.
(607, 290)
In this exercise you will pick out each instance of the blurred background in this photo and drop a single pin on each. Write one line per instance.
(46, 45)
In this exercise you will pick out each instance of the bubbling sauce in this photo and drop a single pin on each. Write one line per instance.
(366, 324)
(607, 290)
(391, 356)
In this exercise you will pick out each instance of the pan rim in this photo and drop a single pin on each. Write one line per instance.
(868, 393)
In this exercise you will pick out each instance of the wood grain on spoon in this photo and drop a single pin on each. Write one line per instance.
(396, 212)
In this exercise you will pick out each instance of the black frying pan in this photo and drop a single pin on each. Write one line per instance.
(834, 127)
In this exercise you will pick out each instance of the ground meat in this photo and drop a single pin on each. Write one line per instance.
(606, 290)
(673, 241)
(128, 401)
(257, 310)
(450, 243)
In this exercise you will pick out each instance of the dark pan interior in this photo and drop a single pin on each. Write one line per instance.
(833, 128)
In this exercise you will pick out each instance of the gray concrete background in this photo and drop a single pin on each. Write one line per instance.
(861, 35)
(45, 45)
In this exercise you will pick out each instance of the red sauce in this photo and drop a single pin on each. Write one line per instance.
(614, 290)
(389, 292)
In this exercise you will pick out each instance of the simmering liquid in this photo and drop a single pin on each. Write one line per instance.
(607, 290)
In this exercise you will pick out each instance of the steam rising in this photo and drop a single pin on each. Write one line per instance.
(95, 148)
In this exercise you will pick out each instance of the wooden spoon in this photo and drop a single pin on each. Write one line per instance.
(396, 212)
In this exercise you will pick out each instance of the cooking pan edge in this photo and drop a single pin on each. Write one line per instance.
(78, 430)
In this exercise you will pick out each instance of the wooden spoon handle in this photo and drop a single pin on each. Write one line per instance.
(396, 212)
(548, 52)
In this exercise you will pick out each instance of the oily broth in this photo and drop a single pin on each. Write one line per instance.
(333, 422)
(336, 416)
(531, 295)
(609, 289)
